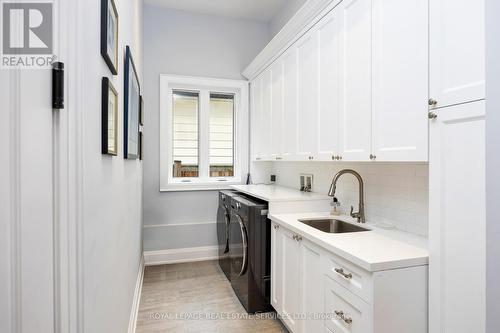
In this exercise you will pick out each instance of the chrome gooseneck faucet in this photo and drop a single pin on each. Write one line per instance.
(360, 215)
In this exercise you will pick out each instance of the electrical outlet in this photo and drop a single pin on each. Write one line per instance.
(306, 182)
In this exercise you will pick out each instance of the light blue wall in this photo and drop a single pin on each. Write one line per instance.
(284, 15)
(177, 42)
(112, 208)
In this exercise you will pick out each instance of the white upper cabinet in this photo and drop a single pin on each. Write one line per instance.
(355, 87)
(290, 103)
(256, 118)
(457, 51)
(266, 119)
(277, 110)
(308, 82)
(329, 33)
(356, 74)
(400, 80)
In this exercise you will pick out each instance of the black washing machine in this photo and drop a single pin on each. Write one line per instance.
(223, 218)
(250, 253)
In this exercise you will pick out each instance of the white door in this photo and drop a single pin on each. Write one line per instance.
(312, 296)
(290, 103)
(400, 80)
(457, 228)
(266, 118)
(256, 116)
(308, 76)
(290, 279)
(457, 51)
(276, 269)
(356, 75)
(329, 86)
(27, 244)
(277, 110)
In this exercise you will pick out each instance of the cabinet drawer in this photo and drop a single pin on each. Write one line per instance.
(350, 276)
(350, 314)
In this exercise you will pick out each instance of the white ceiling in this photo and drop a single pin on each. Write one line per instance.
(261, 10)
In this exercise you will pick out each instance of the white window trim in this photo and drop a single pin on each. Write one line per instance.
(168, 83)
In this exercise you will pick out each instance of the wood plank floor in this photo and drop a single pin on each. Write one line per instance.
(172, 293)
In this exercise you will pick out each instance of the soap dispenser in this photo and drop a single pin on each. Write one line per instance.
(335, 210)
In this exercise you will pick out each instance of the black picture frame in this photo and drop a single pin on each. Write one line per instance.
(109, 124)
(141, 145)
(131, 109)
(108, 8)
(141, 111)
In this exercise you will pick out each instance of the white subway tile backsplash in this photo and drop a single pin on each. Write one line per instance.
(395, 193)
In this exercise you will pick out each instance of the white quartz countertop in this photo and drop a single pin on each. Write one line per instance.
(374, 250)
(278, 193)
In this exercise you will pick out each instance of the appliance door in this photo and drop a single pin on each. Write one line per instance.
(238, 246)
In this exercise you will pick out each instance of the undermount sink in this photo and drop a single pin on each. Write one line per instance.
(333, 226)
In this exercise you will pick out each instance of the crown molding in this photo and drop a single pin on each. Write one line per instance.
(305, 18)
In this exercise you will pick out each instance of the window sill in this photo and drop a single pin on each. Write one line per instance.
(198, 187)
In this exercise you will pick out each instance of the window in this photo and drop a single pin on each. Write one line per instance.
(203, 133)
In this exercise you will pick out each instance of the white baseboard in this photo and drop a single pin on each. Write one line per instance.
(137, 298)
(175, 256)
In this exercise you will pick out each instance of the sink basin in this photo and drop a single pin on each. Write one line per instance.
(333, 226)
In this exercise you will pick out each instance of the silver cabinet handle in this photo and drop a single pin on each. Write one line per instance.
(373, 157)
(433, 115)
(279, 158)
(432, 102)
(299, 238)
(342, 315)
(340, 271)
(258, 158)
(311, 157)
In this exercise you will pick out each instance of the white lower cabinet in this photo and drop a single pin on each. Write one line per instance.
(317, 291)
(350, 313)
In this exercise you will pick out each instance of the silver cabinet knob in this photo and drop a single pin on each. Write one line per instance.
(432, 102)
(276, 226)
(373, 157)
(433, 115)
(311, 157)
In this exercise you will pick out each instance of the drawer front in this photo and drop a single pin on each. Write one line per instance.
(350, 276)
(350, 314)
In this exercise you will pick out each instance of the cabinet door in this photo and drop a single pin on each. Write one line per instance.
(457, 230)
(457, 51)
(329, 86)
(276, 269)
(400, 80)
(308, 76)
(356, 75)
(277, 110)
(266, 119)
(290, 280)
(256, 116)
(290, 103)
(311, 282)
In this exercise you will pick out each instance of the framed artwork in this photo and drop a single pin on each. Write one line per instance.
(131, 108)
(141, 112)
(109, 34)
(141, 147)
(109, 127)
